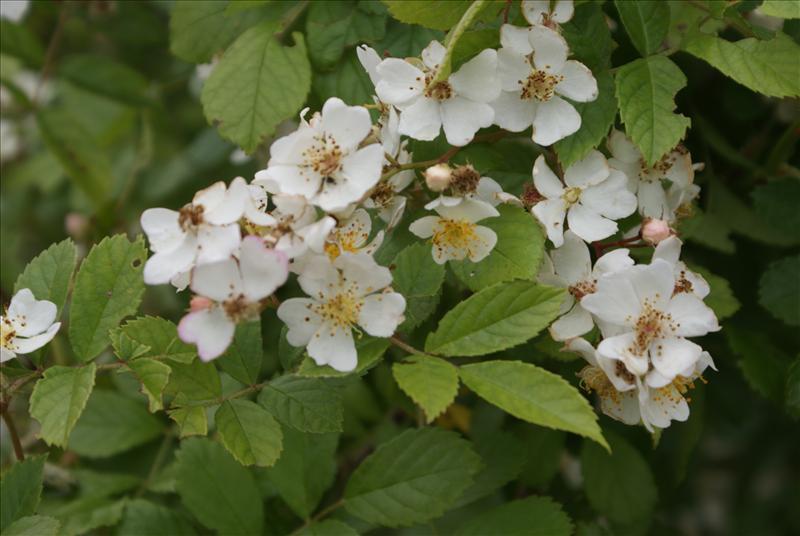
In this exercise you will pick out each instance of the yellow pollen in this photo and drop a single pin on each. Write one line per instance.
(458, 234)
(571, 195)
(7, 334)
(651, 325)
(540, 86)
(342, 310)
(594, 379)
(324, 156)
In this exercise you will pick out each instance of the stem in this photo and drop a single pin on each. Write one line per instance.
(319, 515)
(291, 18)
(12, 430)
(454, 35)
(158, 461)
(52, 47)
(407, 347)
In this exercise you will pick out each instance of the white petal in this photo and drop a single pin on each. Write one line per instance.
(6, 355)
(217, 280)
(231, 208)
(573, 324)
(477, 79)
(588, 224)
(545, 180)
(347, 124)
(672, 355)
(652, 199)
(433, 55)
(572, 261)
(299, 316)
(30, 316)
(551, 213)
(592, 169)
(471, 210)
(513, 69)
(462, 118)
(294, 180)
(423, 227)
(512, 113)
(613, 261)
(210, 329)
(369, 60)
(288, 150)
(555, 119)
(563, 11)
(488, 191)
(621, 348)
(334, 346)
(314, 235)
(162, 228)
(382, 313)
(362, 274)
(479, 249)
(622, 148)
(26, 346)
(535, 10)
(319, 278)
(611, 198)
(363, 168)
(550, 50)
(653, 283)
(400, 82)
(615, 301)
(515, 39)
(578, 83)
(692, 316)
(623, 407)
(263, 270)
(216, 243)
(665, 405)
(669, 250)
(422, 120)
(584, 348)
(210, 197)
(165, 265)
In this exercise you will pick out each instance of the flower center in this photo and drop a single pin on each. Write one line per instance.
(540, 85)
(190, 216)
(571, 195)
(324, 156)
(582, 288)
(342, 310)
(464, 180)
(651, 325)
(682, 284)
(240, 309)
(437, 90)
(383, 194)
(458, 234)
(7, 334)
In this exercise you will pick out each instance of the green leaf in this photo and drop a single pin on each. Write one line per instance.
(473, 42)
(418, 278)
(721, 299)
(619, 485)
(534, 516)
(768, 67)
(646, 23)
(194, 382)
(330, 527)
(217, 490)
(503, 456)
(249, 432)
(290, 356)
(306, 469)
(257, 84)
(496, 318)
(80, 516)
(432, 383)
(21, 490)
(411, 479)
(112, 423)
(533, 394)
(331, 27)
(589, 37)
(104, 76)
(18, 41)
(370, 351)
(161, 337)
(548, 446)
(124, 347)
(58, 400)
(347, 80)
(781, 9)
(776, 204)
(154, 376)
(792, 396)
(146, 518)
(243, 358)
(645, 92)
(764, 364)
(80, 156)
(709, 230)
(108, 287)
(779, 290)
(305, 404)
(33, 526)
(517, 255)
(191, 420)
(597, 117)
(436, 14)
(48, 275)
(403, 40)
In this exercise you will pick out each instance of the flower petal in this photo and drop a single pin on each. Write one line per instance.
(572, 261)
(319, 278)
(217, 280)
(512, 113)
(400, 82)
(578, 84)
(381, 313)
(555, 119)
(588, 224)
(433, 55)
(216, 243)
(613, 261)
(369, 60)
(672, 355)
(462, 118)
(573, 324)
(692, 316)
(31, 344)
(362, 274)
(347, 124)
(477, 79)
(210, 329)
(590, 170)
(622, 148)
(333, 346)
(620, 348)
(423, 227)
(422, 120)
(550, 213)
(610, 198)
(29, 315)
(545, 180)
(515, 39)
(550, 50)
(165, 265)
(299, 316)
(486, 240)
(162, 228)
(615, 301)
(472, 210)
(263, 269)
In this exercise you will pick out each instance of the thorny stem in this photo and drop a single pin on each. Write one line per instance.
(454, 35)
(12, 431)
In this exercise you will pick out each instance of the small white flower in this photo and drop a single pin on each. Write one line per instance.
(14, 10)
(545, 12)
(454, 232)
(486, 190)
(669, 250)
(595, 196)
(349, 293)
(27, 325)
(458, 104)
(322, 160)
(647, 181)
(233, 290)
(205, 230)
(646, 323)
(535, 74)
(351, 236)
(570, 267)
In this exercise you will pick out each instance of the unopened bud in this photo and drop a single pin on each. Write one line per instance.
(438, 177)
(198, 303)
(654, 231)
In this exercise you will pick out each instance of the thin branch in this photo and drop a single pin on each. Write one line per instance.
(319, 515)
(12, 431)
(52, 48)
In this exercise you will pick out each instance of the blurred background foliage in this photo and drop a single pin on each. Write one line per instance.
(102, 118)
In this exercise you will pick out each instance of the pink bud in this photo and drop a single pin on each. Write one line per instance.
(438, 177)
(198, 303)
(654, 231)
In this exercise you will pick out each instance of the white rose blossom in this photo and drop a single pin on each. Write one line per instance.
(349, 293)
(27, 325)
(535, 74)
(570, 267)
(351, 236)
(232, 290)
(546, 12)
(455, 233)
(593, 198)
(669, 250)
(323, 161)
(205, 230)
(458, 104)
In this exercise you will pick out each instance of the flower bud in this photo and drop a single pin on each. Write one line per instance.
(654, 231)
(438, 177)
(198, 303)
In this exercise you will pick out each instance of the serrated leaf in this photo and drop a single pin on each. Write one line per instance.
(619, 485)
(647, 23)
(305, 470)
(243, 358)
(436, 14)
(768, 67)
(764, 364)
(108, 287)
(112, 423)
(191, 420)
(721, 298)
(432, 383)
(306, 404)
(194, 382)
(257, 84)
(517, 255)
(534, 395)
(220, 493)
(534, 516)
(33, 526)
(79, 516)
(779, 290)
(347, 80)
(49, 274)
(143, 517)
(21, 490)
(411, 479)
(124, 347)
(370, 351)
(404, 40)
(58, 400)
(104, 76)
(249, 432)
(330, 527)
(496, 318)
(503, 456)
(780, 8)
(645, 90)
(589, 36)
(331, 27)
(418, 278)
(161, 337)
(154, 376)
(776, 204)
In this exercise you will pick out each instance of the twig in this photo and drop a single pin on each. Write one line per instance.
(158, 461)
(319, 515)
(407, 347)
(52, 47)
(12, 430)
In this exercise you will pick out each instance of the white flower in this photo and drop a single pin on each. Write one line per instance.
(27, 325)
(14, 10)
(646, 181)
(458, 104)
(535, 74)
(595, 196)
(233, 289)
(545, 12)
(570, 267)
(645, 323)
(344, 295)
(455, 234)
(486, 190)
(351, 236)
(322, 160)
(369, 60)
(205, 230)
(669, 250)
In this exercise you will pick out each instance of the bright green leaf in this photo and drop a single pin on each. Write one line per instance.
(784, 9)
(191, 420)
(48, 275)
(154, 376)
(33, 526)
(79, 516)
(331, 27)
(418, 278)
(646, 23)
(534, 516)
(146, 518)
(306, 404)
(779, 290)
(194, 382)
(249, 432)
(58, 400)
(432, 383)
(436, 14)
(161, 337)
(242, 360)
(21, 490)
